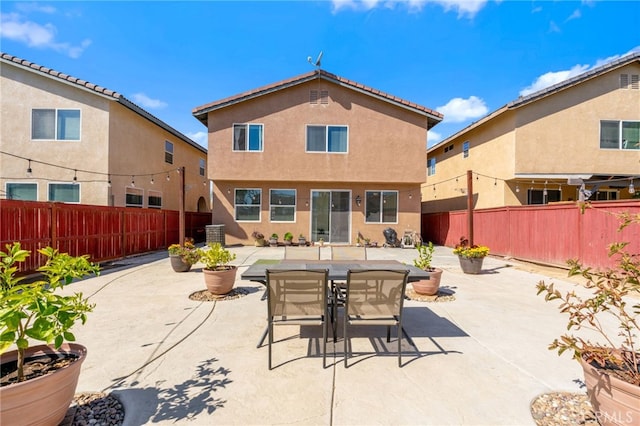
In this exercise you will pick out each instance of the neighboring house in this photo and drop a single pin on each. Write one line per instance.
(317, 155)
(68, 140)
(584, 129)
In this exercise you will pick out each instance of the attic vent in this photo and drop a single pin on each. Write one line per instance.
(624, 81)
(629, 81)
(324, 97)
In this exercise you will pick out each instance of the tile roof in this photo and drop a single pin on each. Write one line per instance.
(201, 112)
(83, 84)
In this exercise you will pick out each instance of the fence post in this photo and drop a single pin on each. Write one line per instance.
(54, 225)
(470, 205)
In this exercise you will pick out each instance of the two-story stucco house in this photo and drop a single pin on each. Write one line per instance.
(65, 139)
(539, 148)
(317, 155)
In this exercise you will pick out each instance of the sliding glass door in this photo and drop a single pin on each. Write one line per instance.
(330, 216)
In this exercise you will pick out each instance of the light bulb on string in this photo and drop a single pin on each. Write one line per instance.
(517, 188)
(133, 182)
(109, 181)
(75, 177)
(168, 177)
(152, 180)
(29, 171)
(632, 189)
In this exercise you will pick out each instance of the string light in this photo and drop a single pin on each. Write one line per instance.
(109, 181)
(152, 180)
(75, 177)
(517, 188)
(133, 182)
(29, 171)
(168, 177)
(632, 189)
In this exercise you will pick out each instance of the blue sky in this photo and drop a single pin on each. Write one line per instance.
(464, 58)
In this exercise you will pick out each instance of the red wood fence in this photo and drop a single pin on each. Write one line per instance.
(549, 234)
(102, 232)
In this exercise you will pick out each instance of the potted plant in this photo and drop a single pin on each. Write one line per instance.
(423, 261)
(273, 240)
(470, 256)
(611, 365)
(302, 241)
(258, 238)
(288, 238)
(35, 311)
(183, 256)
(219, 276)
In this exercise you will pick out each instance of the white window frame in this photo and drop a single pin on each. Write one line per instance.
(382, 202)
(465, 149)
(133, 191)
(621, 141)
(157, 194)
(6, 189)
(326, 139)
(235, 205)
(431, 166)
(68, 184)
(247, 139)
(55, 125)
(169, 153)
(272, 206)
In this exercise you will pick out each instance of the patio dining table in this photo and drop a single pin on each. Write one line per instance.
(337, 271)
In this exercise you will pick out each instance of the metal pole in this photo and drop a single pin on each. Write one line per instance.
(182, 192)
(470, 206)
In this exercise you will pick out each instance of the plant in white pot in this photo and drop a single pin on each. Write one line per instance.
(612, 365)
(35, 311)
(423, 261)
(219, 275)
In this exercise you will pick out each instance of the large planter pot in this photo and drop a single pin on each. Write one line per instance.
(259, 242)
(614, 401)
(220, 282)
(41, 400)
(429, 287)
(471, 265)
(178, 264)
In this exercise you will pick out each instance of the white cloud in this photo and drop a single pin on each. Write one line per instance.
(575, 15)
(551, 78)
(146, 102)
(463, 7)
(553, 27)
(433, 137)
(14, 27)
(200, 137)
(35, 7)
(458, 110)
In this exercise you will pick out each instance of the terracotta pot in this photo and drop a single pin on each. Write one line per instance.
(471, 265)
(614, 401)
(178, 264)
(220, 282)
(42, 400)
(429, 287)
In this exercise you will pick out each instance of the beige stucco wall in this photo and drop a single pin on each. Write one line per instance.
(386, 143)
(386, 151)
(240, 232)
(114, 140)
(559, 134)
(138, 148)
(20, 92)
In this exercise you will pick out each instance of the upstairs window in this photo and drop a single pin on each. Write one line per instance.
(247, 137)
(431, 167)
(465, 149)
(168, 152)
(327, 138)
(381, 206)
(619, 134)
(283, 205)
(202, 167)
(55, 124)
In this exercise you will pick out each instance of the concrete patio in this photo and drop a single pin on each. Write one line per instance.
(478, 360)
